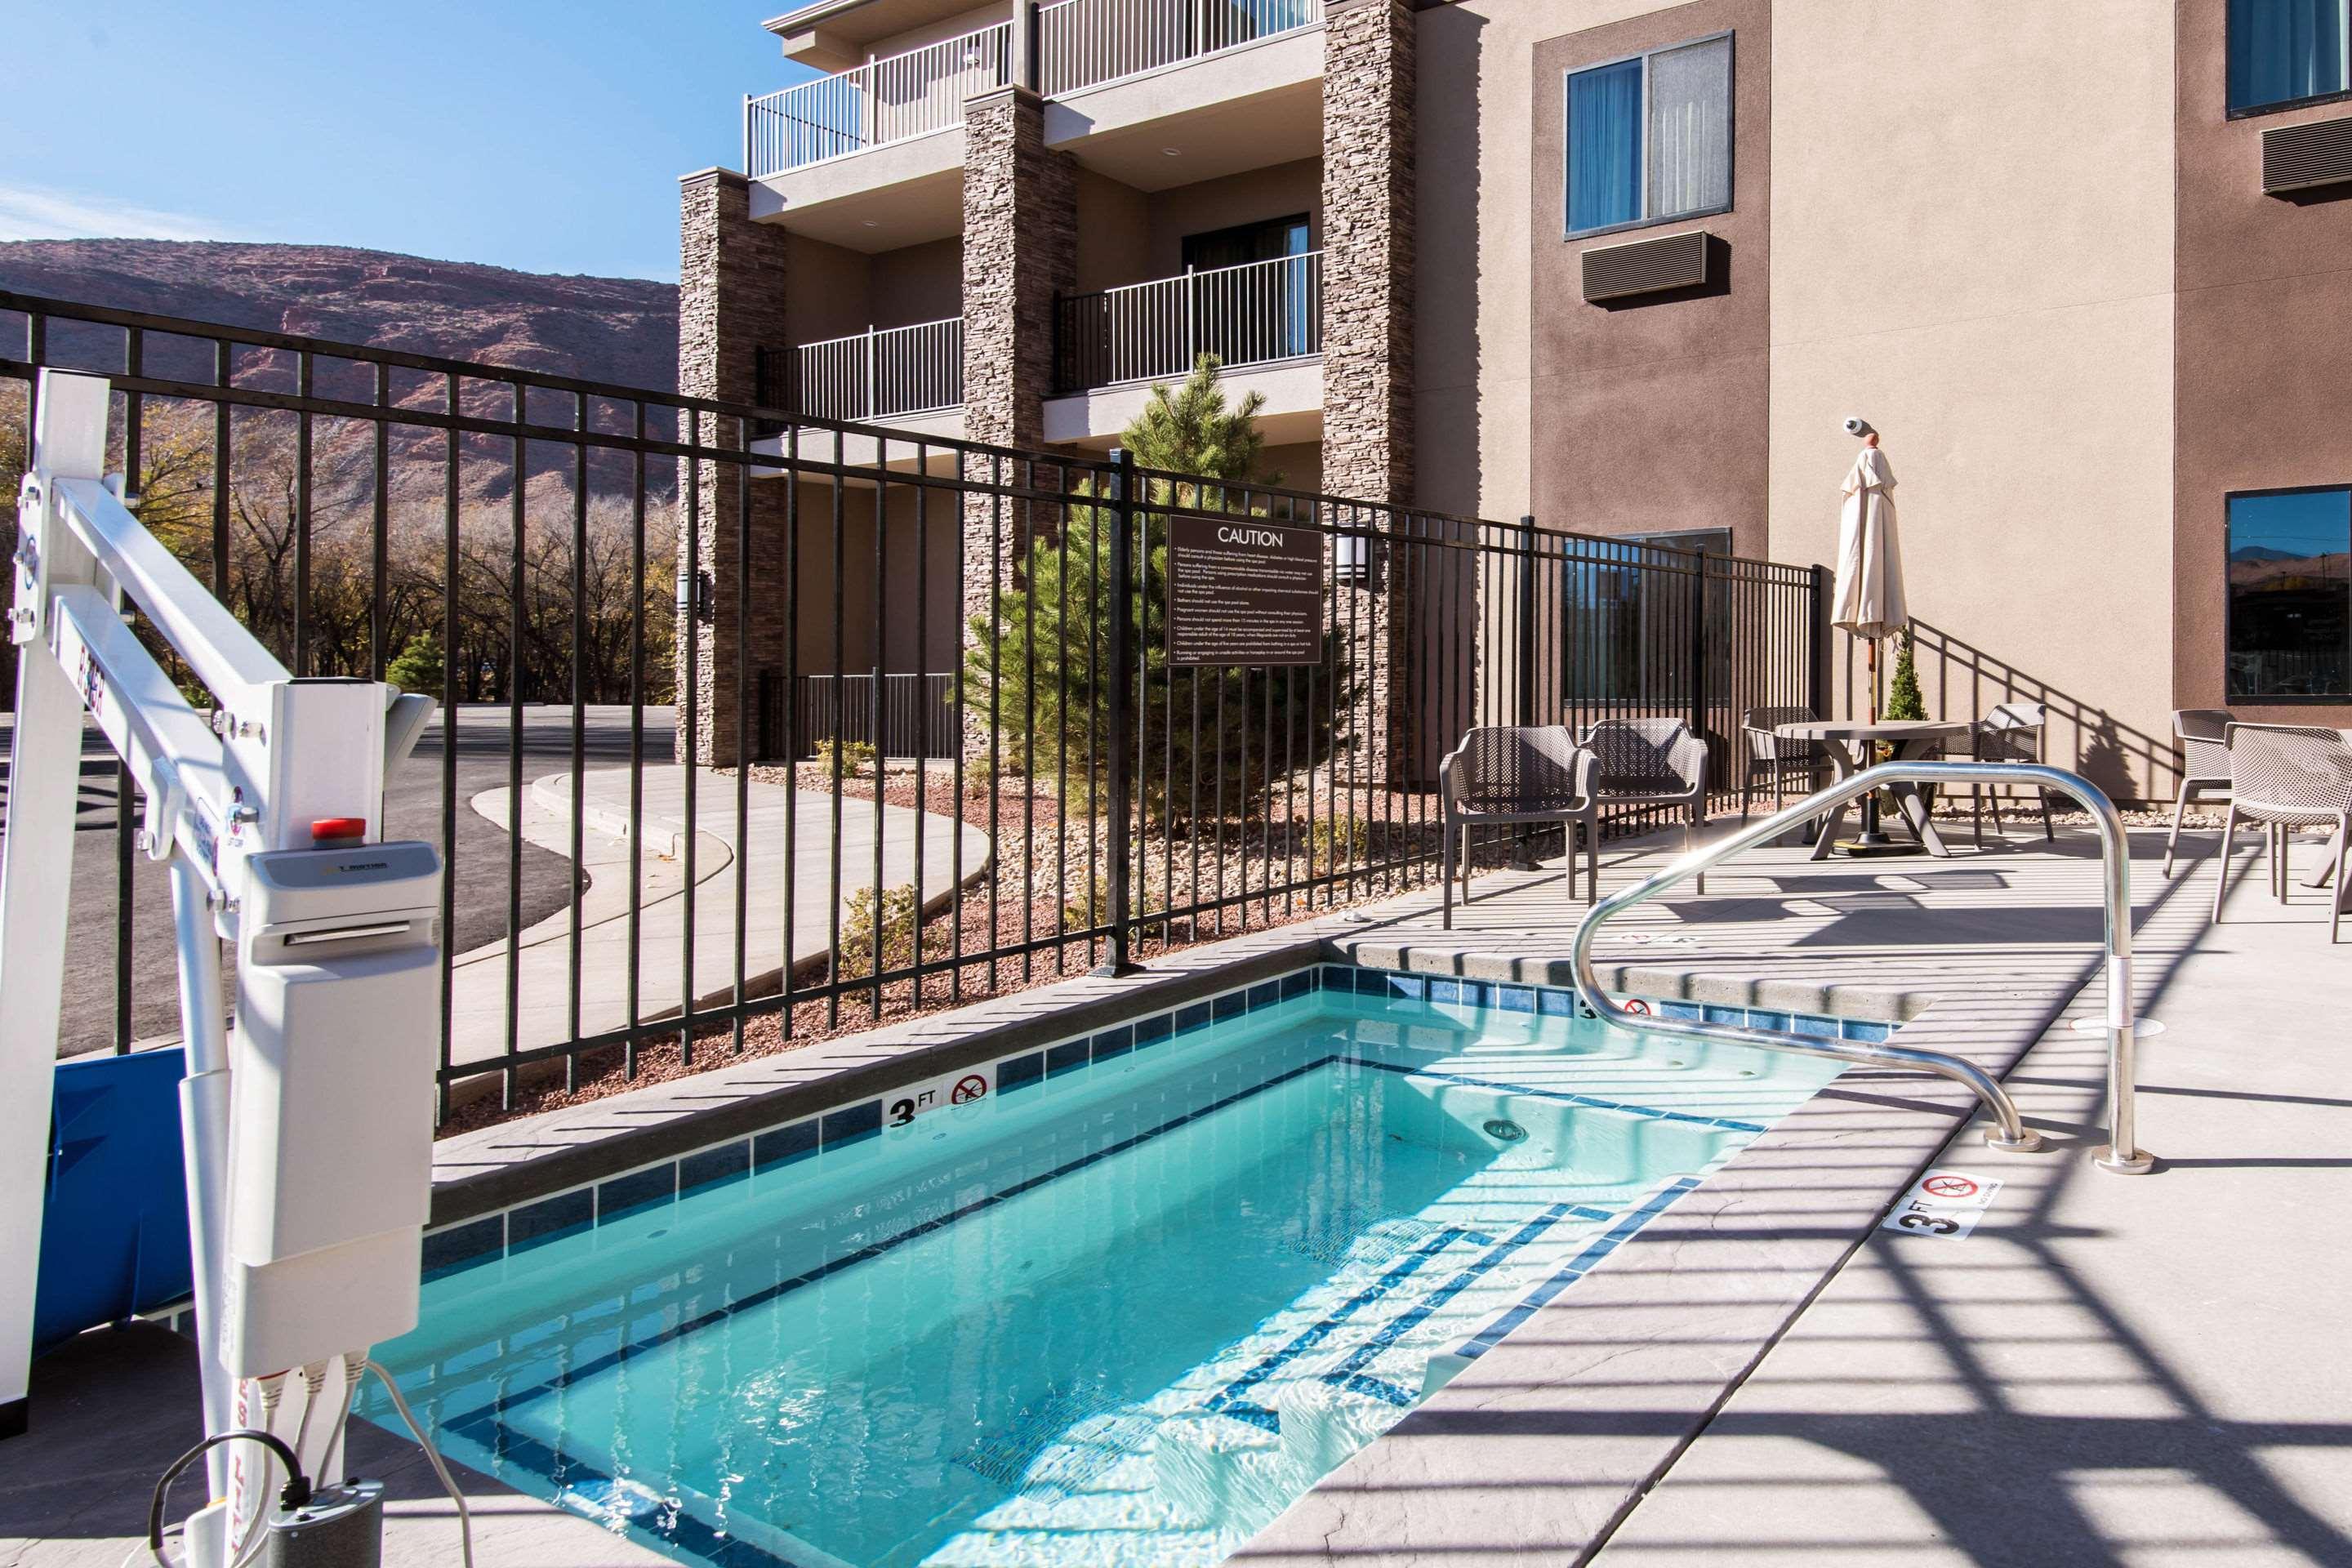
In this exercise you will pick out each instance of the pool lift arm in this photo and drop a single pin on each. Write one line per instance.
(2120, 1154)
(307, 1133)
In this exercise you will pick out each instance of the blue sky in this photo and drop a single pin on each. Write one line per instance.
(520, 132)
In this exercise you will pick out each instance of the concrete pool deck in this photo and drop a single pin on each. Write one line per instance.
(2108, 1369)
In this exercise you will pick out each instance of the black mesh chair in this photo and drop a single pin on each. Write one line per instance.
(1651, 762)
(2203, 734)
(2287, 776)
(1501, 774)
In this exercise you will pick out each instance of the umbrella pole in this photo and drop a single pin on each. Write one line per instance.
(1872, 840)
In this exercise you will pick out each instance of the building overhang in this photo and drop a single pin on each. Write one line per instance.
(1292, 412)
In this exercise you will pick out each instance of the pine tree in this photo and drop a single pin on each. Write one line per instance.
(1042, 664)
(1903, 698)
(417, 666)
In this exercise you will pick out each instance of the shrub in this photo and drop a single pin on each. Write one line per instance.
(854, 757)
(1336, 843)
(854, 956)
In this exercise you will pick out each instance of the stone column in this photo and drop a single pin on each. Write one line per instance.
(1369, 182)
(730, 306)
(1020, 248)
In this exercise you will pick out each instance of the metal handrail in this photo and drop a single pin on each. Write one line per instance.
(2121, 1154)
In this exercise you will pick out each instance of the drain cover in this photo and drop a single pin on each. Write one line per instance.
(1507, 1131)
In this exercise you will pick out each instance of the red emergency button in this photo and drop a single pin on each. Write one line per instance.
(338, 829)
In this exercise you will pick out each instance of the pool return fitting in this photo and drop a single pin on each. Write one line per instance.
(307, 1130)
(2121, 1154)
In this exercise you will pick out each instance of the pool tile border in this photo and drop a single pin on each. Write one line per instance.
(521, 1227)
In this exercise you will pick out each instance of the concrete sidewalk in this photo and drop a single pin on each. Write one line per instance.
(753, 851)
(2108, 1370)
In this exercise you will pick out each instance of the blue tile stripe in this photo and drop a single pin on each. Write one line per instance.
(1576, 1267)
(534, 1224)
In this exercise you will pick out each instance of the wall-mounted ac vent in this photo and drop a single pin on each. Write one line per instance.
(1645, 266)
(2306, 157)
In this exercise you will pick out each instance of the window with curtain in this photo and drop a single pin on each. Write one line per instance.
(2287, 51)
(2291, 594)
(1649, 139)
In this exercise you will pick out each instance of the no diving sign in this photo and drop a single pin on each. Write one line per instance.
(971, 1086)
(1946, 1204)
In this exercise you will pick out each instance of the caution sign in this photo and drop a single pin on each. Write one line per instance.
(1244, 591)
(1946, 1204)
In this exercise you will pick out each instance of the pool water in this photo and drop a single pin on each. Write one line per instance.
(1123, 1315)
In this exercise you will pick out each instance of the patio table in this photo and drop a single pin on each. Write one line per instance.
(1848, 743)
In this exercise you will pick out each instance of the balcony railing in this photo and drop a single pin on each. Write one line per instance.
(1255, 313)
(874, 374)
(883, 100)
(1083, 42)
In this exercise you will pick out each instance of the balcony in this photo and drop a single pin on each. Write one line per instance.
(895, 99)
(882, 374)
(1263, 320)
(1113, 72)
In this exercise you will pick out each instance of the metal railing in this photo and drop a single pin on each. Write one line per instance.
(2121, 1154)
(895, 369)
(365, 512)
(1255, 313)
(881, 101)
(1083, 43)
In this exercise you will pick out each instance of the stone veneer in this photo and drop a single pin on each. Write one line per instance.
(1368, 176)
(730, 305)
(1020, 254)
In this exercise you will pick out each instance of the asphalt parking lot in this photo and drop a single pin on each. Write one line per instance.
(413, 809)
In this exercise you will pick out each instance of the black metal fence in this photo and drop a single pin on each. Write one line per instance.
(605, 584)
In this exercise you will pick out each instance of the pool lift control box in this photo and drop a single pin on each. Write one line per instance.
(337, 959)
(307, 1130)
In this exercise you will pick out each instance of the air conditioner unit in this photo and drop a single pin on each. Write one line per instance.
(2306, 157)
(1646, 265)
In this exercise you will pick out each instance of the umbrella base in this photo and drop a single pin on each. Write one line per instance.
(1875, 843)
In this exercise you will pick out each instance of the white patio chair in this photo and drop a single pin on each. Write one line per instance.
(2204, 764)
(2287, 776)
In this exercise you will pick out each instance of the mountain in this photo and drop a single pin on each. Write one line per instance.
(621, 330)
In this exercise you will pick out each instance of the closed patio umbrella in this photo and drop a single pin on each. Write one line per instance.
(1869, 597)
(1868, 601)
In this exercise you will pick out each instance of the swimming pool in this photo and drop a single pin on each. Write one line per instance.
(1118, 1301)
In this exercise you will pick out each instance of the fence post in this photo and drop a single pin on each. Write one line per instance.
(873, 408)
(1121, 717)
(1527, 620)
(1699, 646)
(1817, 680)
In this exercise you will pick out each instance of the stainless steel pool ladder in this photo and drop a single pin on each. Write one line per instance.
(2121, 1154)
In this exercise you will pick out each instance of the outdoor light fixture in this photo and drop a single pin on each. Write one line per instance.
(1171, 152)
(1350, 556)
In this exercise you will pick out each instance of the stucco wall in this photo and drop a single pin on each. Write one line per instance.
(1649, 413)
(2264, 304)
(1472, 332)
(1976, 254)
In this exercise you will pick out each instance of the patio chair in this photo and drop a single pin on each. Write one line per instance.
(2287, 776)
(1651, 762)
(2204, 763)
(2012, 732)
(1775, 759)
(1501, 774)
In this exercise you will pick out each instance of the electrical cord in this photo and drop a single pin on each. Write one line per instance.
(331, 1463)
(297, 1490)
(433, 1455)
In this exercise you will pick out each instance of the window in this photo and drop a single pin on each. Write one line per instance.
(2288, 51)
(2289, 593)
(1649, 139)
